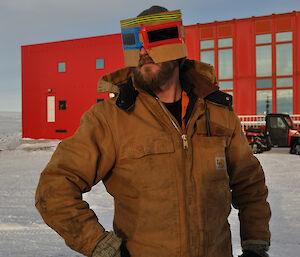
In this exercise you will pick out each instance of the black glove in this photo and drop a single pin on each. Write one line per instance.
(247, 253)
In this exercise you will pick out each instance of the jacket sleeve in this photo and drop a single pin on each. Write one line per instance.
(249, 191)
(78, 163)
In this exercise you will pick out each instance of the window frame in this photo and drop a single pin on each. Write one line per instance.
(216, 48)
(274, 77)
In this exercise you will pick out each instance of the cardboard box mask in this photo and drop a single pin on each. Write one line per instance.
(161, 34)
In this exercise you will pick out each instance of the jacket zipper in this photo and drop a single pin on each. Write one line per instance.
(184, 138)
(183, 135)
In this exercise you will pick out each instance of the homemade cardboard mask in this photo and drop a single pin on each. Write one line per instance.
(161, 34)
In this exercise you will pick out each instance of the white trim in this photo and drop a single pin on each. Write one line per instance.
(259, 120)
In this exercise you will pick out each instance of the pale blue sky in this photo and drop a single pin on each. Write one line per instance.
(24, 22)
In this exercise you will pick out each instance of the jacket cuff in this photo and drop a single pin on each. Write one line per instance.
(257, 246)
(109, 246)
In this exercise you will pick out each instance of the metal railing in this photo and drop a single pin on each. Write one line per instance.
(254, 121)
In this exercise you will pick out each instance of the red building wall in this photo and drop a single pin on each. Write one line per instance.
(192, 41)
(78, 84)
(243, 33)
(244, 77)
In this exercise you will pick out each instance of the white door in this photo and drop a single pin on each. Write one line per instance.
(50, 108)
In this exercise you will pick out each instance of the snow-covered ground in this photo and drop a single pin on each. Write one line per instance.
(23, 233)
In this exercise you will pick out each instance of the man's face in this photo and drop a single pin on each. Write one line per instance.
(150, 75)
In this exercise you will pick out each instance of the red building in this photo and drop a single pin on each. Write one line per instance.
(256, 59)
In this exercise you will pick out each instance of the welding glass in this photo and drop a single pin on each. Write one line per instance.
(162, 34)
(130, 38)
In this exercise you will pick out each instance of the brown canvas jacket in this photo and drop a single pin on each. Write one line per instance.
(169, 201)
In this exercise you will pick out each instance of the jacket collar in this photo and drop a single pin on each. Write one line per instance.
(200, 76)
(194, 76)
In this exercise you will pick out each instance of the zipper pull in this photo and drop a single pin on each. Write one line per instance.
(185, 141)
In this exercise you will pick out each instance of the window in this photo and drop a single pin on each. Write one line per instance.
(263, 102)
(208, 57)
(100, 100)
(277, 122)
(207, 44)
(284, 36)
(221, 57)
(225, 85)
(278, 80)
(225, 65)
(284, 82)
(284, 59)
(284, 72)
(264, 83)
(284, 101)
(61, 67)
(263, 73)
(225, 42)
(99, 63)
(62, 105)
(263, 61)
(263, 39)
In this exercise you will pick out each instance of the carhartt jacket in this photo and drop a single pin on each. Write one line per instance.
(172, 190)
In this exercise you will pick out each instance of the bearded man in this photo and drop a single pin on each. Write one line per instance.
(169, 149)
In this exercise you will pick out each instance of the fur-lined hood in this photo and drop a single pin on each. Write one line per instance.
(198, 72)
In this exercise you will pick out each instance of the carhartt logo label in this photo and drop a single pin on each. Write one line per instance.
(220, 163)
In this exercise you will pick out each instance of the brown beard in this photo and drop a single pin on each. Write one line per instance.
(150, 80)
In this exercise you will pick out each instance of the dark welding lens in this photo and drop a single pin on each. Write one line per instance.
(128, 39)
(162, 34)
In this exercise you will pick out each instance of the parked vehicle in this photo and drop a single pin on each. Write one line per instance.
(259, 139)
(278, 131)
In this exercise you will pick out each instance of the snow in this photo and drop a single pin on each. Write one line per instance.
(23, 232)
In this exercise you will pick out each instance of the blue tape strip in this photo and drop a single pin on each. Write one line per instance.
(135, 31)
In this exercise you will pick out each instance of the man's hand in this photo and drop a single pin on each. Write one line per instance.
(109, 246)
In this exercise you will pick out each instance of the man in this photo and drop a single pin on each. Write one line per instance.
(169, 149)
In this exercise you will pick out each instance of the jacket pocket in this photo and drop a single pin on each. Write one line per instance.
(147, 162)
(212, 179)
(148, 145)
(216, 129)
(211, 157)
